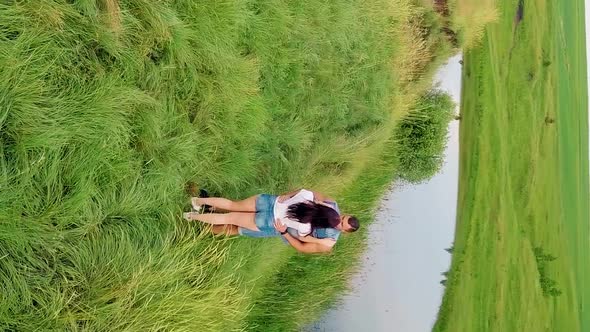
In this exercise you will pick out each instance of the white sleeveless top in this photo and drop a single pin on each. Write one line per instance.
(280, 211)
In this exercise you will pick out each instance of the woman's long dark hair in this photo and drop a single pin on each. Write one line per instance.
(315, 214)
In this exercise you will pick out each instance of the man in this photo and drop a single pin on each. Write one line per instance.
(263, 216)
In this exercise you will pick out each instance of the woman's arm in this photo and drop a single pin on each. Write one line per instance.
(319, 197)
(288, 195)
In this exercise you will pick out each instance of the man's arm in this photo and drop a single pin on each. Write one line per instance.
(326, 242)
(304, 247)
(307, 247)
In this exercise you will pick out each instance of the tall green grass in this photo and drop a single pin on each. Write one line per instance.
(108, 108)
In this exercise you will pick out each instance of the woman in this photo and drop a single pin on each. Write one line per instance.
(302, 210)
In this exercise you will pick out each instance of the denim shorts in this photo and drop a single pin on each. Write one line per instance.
(265, 205)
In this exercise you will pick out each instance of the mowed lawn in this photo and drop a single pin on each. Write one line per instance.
(523, 176)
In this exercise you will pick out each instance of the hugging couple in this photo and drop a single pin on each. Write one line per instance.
(309, 221)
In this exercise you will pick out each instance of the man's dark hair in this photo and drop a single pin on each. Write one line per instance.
(354, 224)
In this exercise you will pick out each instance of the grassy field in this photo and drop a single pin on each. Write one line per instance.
(523, 176)
(108, 108)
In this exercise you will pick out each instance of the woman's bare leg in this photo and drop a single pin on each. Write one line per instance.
(225, 230)
(240, 219)
(246, 205)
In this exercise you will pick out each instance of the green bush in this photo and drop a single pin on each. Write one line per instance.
(422, 136)
(548, 285)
